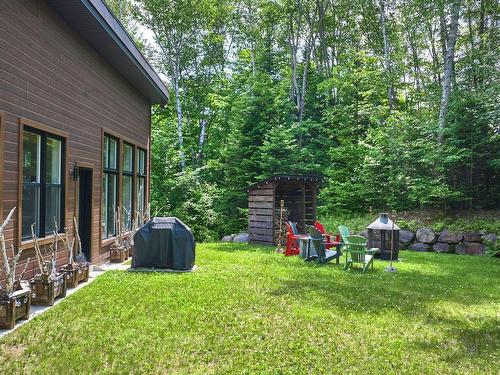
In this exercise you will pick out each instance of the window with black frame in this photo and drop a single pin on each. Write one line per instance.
(141, 184)
(127, 184)
(109, 186)
(43, 183)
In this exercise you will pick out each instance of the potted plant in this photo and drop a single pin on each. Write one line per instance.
(15, 298)
(75, 271)
(49, 284)
(119, 250)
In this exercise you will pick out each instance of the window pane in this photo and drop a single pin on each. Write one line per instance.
(31, 209)
(53, 161)
(111, 204)
(52, 207)
(127, 201)
(113, 149)
(105, 160)
(141, 162)
(104, 205)
(128, 165)
(141, 198)
(31, 157)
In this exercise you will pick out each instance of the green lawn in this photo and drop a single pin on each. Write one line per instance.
(249, 310)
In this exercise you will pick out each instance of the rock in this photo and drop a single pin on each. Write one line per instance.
(472, 237)
(489, 237)
(426, 235)
(450, 237)
(242, 237)
(469, 248)
(419, 247)
(406, 236)
(441, 247)
(229, 238)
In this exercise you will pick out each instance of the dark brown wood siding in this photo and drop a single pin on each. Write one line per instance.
(52, 76)
(261, 213)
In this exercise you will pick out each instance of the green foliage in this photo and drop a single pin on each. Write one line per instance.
(493, 248)
(243, 68)
(463, 221)
(248, 310)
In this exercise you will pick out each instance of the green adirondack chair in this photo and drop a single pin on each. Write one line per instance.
(356, 252)
(344, 232)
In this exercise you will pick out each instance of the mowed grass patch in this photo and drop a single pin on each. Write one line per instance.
(250, 310)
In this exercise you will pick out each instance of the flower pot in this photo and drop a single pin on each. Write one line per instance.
(75, 273)
(118, 254)
(15, 306)
(45, 291)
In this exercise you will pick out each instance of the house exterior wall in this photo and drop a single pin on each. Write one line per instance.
(52, 78)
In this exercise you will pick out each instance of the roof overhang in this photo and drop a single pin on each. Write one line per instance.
(287, 178)
(93, 20)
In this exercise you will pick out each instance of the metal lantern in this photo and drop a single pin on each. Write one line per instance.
(382, 233)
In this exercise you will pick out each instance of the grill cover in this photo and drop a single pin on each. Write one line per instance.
(164, 242)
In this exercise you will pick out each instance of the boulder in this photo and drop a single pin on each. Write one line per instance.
(472, 237)
(228, 238)
(426, 235)
(406, 236)
(242, 237)
(489, 237)
(469, 248)
(419, 247)
(442, 247)
(450, 237)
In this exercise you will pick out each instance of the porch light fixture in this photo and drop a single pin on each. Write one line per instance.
(75, 173)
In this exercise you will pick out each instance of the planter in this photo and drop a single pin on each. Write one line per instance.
(45, 291)
(76, 273)
(118, 254)
(15, 306)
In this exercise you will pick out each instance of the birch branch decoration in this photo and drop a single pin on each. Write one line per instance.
(9, 268)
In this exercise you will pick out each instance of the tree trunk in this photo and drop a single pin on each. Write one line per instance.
(294, 94)
(387, 60)
(201, 140)
(179, 117)
(448, 68)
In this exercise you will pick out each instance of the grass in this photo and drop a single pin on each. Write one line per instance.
(459, 221)
(249, 310)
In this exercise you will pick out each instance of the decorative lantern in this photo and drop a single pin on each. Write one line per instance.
(382, 233)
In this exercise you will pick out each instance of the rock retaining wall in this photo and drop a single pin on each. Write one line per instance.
(464, 243)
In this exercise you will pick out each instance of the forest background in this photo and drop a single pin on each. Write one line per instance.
(394, 102)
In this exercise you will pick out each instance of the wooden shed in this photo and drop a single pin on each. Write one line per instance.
(299, 193)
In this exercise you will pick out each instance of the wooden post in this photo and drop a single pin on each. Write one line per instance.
(280, 233)
(303, 206)
(313, 193)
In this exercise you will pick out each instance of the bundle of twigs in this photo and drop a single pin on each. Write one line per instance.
(10, 264)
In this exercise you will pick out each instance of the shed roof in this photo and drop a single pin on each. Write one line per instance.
(93, 20)
(286, 177)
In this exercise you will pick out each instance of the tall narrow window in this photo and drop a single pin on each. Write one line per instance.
(127, 185)
(141, 184)
(43, 188)
(109, 186)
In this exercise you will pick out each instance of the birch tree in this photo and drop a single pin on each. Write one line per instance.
(449, 61)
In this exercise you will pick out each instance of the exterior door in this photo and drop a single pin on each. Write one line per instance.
(85, 210)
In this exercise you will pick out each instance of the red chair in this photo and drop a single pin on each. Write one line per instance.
(292, 243)
(326, 236)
